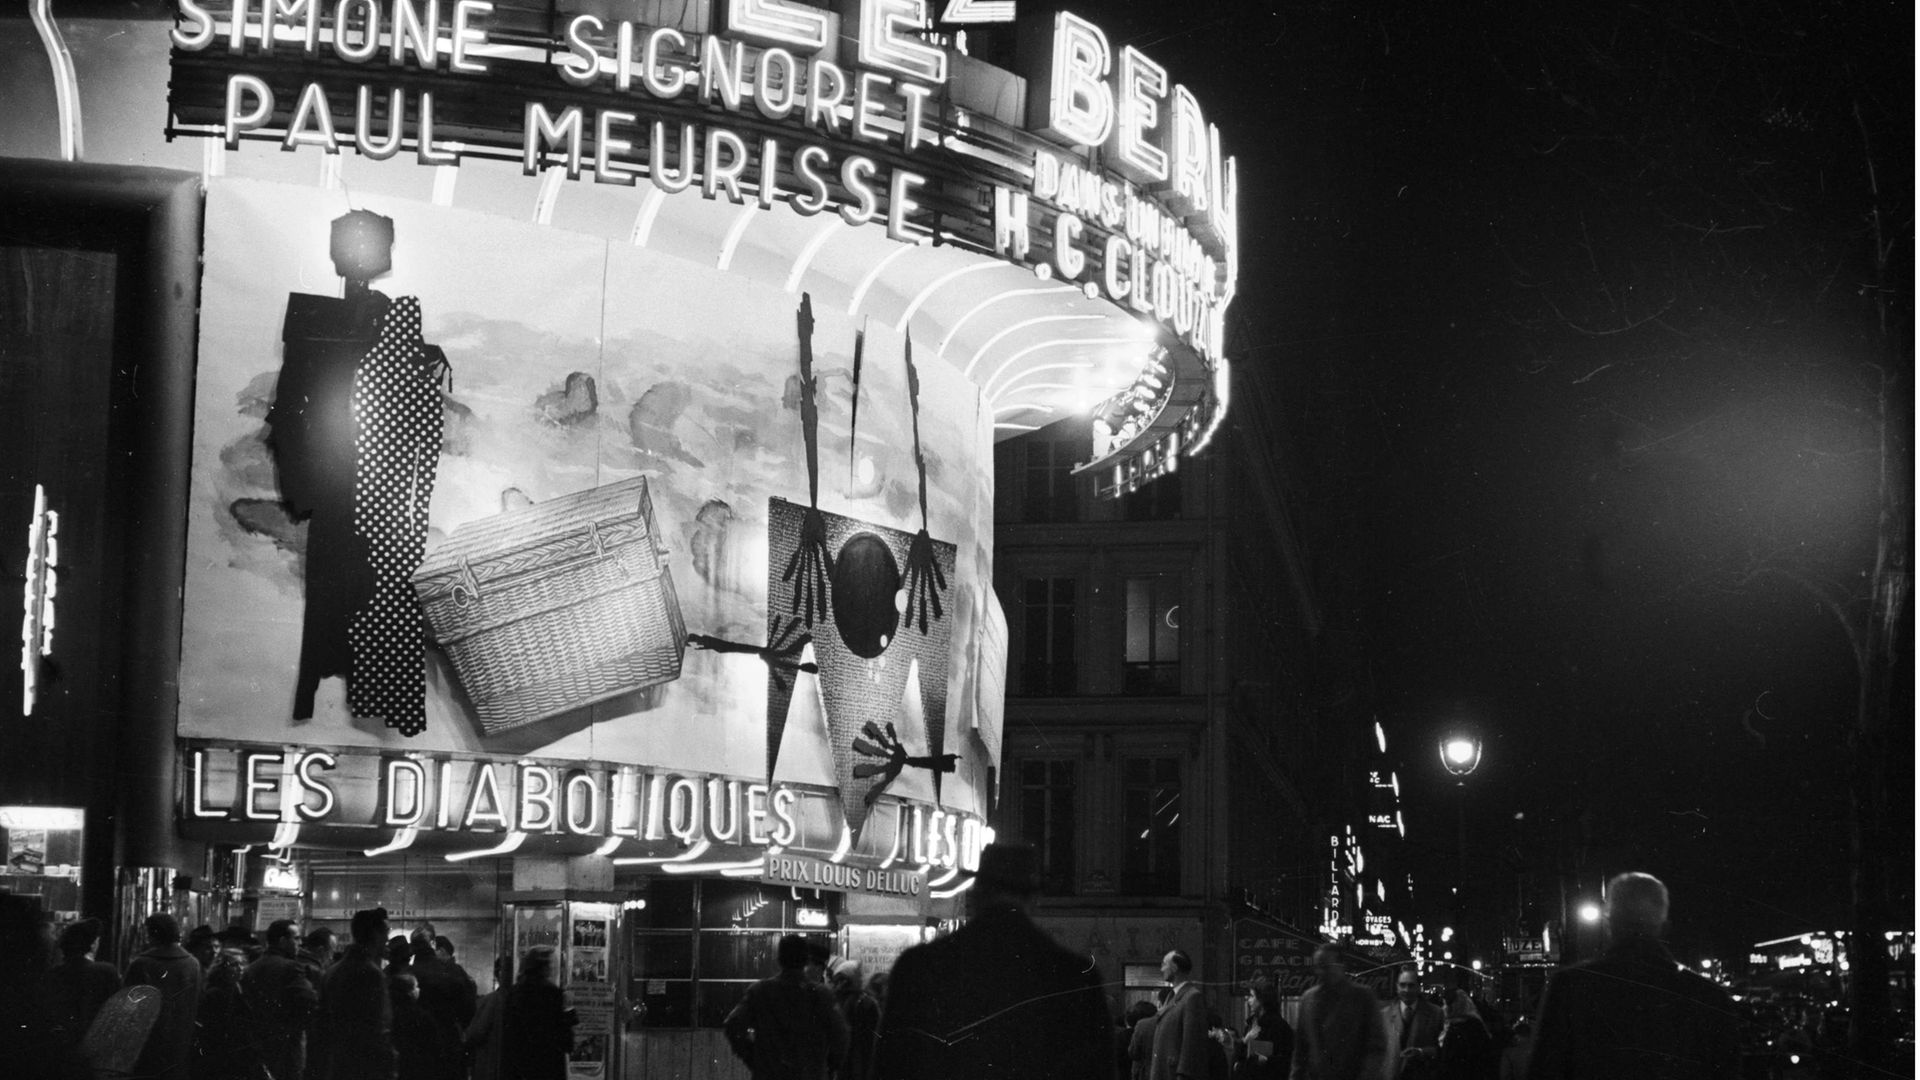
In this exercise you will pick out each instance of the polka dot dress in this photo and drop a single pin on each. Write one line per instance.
(396, 412)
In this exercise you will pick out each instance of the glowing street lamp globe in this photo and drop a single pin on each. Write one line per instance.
(1460, 754)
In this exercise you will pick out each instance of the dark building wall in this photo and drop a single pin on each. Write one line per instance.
(1102, 732)
(96, 344)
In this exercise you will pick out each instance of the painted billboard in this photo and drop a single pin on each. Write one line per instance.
(470, 488)
(595, 403)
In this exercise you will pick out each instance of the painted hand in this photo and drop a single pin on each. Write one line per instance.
(781, 652)
(814, 565)
(924, 581)
(892, 758)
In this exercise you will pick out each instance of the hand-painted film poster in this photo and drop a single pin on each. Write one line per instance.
(463, 484)
(589, 988)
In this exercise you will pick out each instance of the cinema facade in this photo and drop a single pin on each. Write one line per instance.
(528, 464)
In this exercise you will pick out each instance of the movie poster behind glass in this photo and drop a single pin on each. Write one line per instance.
(590, 988)
(26, 850)
(535, 925)
(465, 484)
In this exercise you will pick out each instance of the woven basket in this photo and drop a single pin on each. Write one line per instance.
(555, 606)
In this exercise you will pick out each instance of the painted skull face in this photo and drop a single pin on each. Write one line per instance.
(875, 674)
(866, 595)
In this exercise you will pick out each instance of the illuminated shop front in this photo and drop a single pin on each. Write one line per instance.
(564, 453)
(1818, 962)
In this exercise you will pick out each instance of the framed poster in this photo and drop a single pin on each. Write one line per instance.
(534, 926)
(589, 982)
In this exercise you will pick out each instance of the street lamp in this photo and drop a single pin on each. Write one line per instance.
(1460, 754)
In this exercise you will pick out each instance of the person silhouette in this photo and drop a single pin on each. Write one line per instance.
(355, 431)
(1635, 1011)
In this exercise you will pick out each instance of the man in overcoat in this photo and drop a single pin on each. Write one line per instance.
(80, 985)
(356, 1015)
(1340, 1035)
(787, 1027)
(1634, 1011)
(172, 970)
(1413, 1029)
(1180, 1035)
(282, 1000)
(996, 999)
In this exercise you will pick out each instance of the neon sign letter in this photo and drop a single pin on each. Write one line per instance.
(1077, 102)
(1142, 85)
(885, 45)
(778, 22)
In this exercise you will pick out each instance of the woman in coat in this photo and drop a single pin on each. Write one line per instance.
(1265, 1050)
(537, 1027)
(1466, 1046)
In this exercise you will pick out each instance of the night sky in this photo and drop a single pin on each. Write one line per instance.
(1571, 317)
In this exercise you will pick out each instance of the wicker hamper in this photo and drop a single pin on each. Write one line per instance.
(554, 606)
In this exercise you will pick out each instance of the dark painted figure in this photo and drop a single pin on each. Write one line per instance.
(355, 431)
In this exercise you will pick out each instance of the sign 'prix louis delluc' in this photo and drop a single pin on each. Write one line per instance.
(859, 135)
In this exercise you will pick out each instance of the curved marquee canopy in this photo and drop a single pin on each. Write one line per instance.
(1012, 223)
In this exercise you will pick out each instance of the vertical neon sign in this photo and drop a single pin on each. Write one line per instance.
(36, 625)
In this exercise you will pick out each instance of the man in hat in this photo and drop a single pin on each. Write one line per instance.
(997, 998)
(1635, 1011)
(176, 974)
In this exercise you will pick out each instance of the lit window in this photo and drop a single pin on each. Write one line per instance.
(1153, 636)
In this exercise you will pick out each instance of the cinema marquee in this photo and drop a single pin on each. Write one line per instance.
(530, 463)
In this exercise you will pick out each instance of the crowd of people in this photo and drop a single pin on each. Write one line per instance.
(997, 999)
(1000, 1000)
(1632, 1012)
(292, 1007)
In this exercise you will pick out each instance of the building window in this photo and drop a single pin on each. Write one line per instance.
(1153, 636)
(1047, 659)
(698, 945)
(1047, 487)
(1150, 815)
(1143, 983)
(1046, 821)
